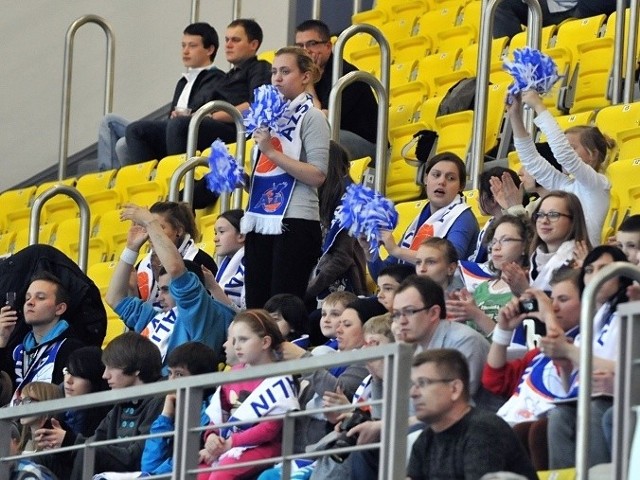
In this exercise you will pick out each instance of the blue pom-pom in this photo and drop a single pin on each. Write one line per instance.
(531, 70)
(225, 174)
(364, 213)
(266, 109)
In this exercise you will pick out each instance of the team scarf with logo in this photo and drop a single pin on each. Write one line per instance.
(147, 283)
(271, 186)
(230, 277)
(274, 396)
(539, 386)
(160, 328)
(427, 224)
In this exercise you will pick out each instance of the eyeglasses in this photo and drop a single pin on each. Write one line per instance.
(551, 216)
(406, 312)
(502, 241)
(24, 401)
(423, 382)
(311, 44)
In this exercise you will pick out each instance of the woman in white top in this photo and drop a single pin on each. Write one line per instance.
(560, 230)
(582, 152)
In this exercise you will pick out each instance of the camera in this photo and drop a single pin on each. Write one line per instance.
(359, 416)
(528, 305)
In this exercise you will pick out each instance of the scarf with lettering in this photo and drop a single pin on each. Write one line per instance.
(230, 277)
(271, 186)
(427, 224)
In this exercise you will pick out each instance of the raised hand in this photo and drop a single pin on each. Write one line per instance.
(8, 320)
(516, 277)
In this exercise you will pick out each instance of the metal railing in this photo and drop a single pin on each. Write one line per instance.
(192, 142)
(587, 312)
(66, 82)
(632, 44)
(627, 387)
(236, 7)
(85, 216)
(335, 110)
(189, 392)
(381, 88)
(476, 156)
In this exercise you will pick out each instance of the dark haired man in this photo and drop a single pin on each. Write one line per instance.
(44, 351)
(189, 313)
(460, 441)
(199, 47)
(242, 39)
(359, 113)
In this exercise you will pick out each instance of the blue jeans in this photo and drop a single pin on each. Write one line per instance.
(112, 150)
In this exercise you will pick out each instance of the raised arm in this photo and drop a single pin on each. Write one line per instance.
(119, 284)
(163, 246)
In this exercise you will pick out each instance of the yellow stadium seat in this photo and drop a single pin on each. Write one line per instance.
(101, 274)
(428, 26)
(360, 41)
(407, 211)
(455, 130)
(67, 240)
(592, 75)
(54, 210)
(514, 161)
(561, 474)
(520, 40)
(145, 194)
(115, 325)
(165, 170)
(386, 10)
(357, 168)
(624, 176)
(610, 224)
(619, 123)
(133, 175)
(465, 32)
(473, 200)
(610, 32)
(401, 185)
(114, 232)
(268, 55)
(46, 232)
(469, 60)
(628, 142)
(7, 241)
(572, 120)
(206, 224)
(15, 201)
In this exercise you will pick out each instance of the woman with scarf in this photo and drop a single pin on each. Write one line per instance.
(282, 220)
(179, 224)
(445, 216)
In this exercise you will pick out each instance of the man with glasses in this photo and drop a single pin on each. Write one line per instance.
(419, 318)
(460, 441)
(359, 113)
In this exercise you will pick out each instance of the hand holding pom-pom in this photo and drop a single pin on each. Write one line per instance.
(266, 109)
(366, 215)
(531, 70)
(225, 174)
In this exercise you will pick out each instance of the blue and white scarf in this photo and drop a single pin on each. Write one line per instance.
(428, 224)
(271, 186)
(274, 396)
(539, 386)
(230, 277)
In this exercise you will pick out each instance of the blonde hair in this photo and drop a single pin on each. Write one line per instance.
(379, 325)
(303, 60)
(40, 391)
(594, 141)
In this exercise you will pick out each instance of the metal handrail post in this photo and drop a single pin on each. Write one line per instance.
(356, 6)
(236, 7)
(476, 157)
(385, 52)
(618, 52)
(85, 214)
(66, 82)
(335, 109)
(195, 11)
(632, 44)
(315, 10)
(192, 142)
(587, 311)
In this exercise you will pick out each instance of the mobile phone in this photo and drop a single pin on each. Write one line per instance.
(47, 424)
(10, 300)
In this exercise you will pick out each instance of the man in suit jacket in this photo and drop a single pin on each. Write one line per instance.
(199, 47)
